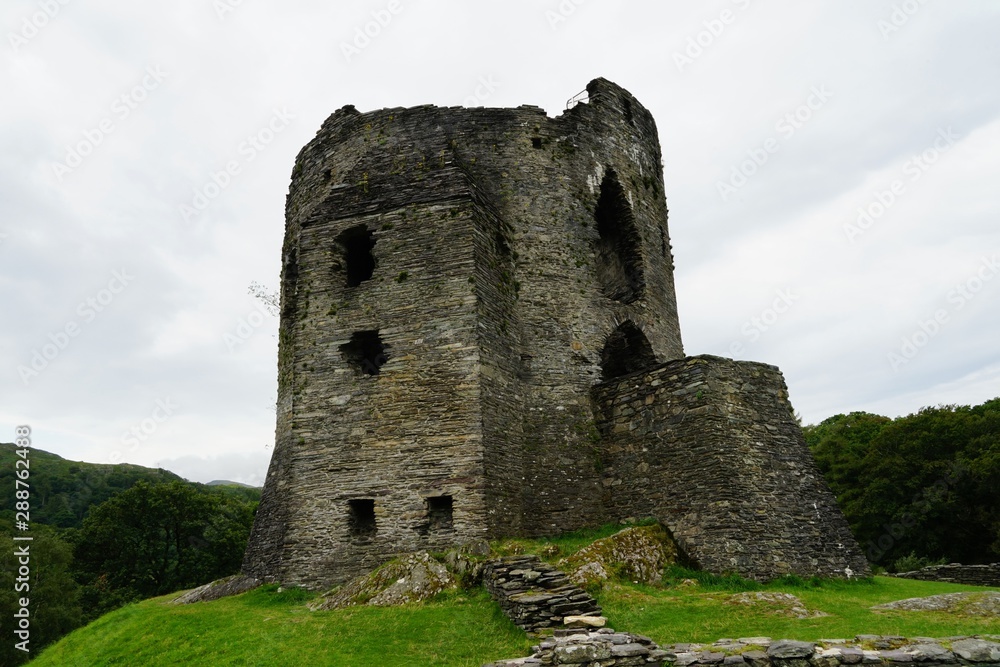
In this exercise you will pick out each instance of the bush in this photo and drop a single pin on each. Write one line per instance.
(914, 562)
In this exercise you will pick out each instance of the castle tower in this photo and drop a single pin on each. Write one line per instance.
(455, 284)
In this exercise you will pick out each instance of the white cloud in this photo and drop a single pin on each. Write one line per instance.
(164, 335)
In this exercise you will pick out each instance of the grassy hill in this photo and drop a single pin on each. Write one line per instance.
(62, 491)
(104, 535)
(465, 628)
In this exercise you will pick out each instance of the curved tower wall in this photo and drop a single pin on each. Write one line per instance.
(492, 295)
(479, 339)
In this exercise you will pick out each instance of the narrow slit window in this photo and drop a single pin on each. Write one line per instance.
(357, 246)
(361, 517)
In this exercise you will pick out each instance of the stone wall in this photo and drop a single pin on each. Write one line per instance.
(710, 447)
(488, 300)
(608, 648)
(603, 647)
(454, 283)
(955, 573)
(534, 594)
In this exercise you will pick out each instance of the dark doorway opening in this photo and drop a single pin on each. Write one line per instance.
(627, 350)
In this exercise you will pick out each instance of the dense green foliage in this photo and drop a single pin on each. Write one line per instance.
(54, 602)
(62, 491)
(106, 535)
(154, 539)
(925, 487)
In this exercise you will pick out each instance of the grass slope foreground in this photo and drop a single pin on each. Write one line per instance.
(270, 626)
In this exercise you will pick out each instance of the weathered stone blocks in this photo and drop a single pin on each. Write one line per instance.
(454, 284)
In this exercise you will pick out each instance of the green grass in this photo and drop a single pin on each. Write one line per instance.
(553, 549)
(700, 613)
(263, 627)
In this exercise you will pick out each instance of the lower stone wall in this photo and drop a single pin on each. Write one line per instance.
(536, 595)
(710, 448)
(603, 647)
(955, 573)
(607, 648)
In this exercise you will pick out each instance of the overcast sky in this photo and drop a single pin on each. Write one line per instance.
(127, 250)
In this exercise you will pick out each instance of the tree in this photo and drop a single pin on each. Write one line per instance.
(926, 485)
(155, 539)
(54, 606)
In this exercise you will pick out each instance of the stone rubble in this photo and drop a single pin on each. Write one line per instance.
(607, 648)
(977, 603)
(639, 553)
(956, 573)
(218, 589)
(534, 594)
(775, 604)
(603, 648)
(410, 578)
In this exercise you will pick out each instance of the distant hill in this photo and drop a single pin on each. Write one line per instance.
(62, 491)
(226, 482)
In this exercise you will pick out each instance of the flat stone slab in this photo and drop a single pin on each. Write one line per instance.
(787, 648)
(980, 604)
(977, 650)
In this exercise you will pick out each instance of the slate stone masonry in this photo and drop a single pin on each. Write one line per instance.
(534, 594)
(607, 648)
(956, 573)
(455, 282)
(710, 447)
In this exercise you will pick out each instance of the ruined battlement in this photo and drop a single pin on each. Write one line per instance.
(455, 282)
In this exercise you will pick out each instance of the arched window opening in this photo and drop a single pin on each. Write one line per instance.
(626, 350)
(619, 258)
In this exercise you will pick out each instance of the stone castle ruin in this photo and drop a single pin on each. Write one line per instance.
(479, 339)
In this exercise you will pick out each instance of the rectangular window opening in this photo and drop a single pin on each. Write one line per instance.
(440, 512)
(536, 142)
(361, 518)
